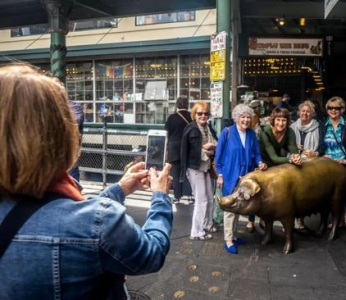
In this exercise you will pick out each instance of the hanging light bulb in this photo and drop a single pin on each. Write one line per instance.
(281, 22)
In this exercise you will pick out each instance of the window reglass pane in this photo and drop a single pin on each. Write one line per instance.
(183, 16)
(73, 26)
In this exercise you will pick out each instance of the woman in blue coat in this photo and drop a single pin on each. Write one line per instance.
(237, 153)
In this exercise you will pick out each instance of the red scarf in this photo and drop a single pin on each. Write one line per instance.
(66, 186)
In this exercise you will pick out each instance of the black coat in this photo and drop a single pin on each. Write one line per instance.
(191, 147)
(175, 125)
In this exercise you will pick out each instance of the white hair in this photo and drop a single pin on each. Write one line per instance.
(241, 109)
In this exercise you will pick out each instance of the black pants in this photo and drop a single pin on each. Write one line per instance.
(180, 188)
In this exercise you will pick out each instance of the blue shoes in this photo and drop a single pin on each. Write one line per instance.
(231, 249)
(239, 241)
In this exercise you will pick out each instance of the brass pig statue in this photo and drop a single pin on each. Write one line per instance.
(287, 191)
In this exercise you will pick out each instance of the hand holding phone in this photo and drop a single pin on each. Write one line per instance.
(160, 182)
(156, 149)
(135, 178)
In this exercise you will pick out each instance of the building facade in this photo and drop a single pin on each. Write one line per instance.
(128, 70)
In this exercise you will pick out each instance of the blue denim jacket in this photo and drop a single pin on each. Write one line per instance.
(63, 248)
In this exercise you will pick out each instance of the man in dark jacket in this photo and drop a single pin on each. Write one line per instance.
(175, 126)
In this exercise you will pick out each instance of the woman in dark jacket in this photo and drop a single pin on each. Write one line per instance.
(197, 154)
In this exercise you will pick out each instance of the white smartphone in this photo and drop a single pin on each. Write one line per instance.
(156, 149)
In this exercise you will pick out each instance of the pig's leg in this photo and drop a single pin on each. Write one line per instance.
(268, 232)
(336, 217)
(323, 223)
(288, 226)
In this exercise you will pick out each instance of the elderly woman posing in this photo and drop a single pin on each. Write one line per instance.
(306, 130)
(277, 139)
(333, 135)
(237, 153)
(197, 154)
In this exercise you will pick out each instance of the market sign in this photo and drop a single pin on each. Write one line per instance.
(216, 99)
(329, 6)
(218, 56)
(285, 47)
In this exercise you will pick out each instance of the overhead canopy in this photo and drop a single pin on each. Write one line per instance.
(15, 13)
(257, 17)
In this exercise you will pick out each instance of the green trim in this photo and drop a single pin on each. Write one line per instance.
(115, 49)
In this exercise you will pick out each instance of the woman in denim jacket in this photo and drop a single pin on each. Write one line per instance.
(63, 249)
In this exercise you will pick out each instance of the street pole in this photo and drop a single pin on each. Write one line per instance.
(223, 9)
(58, 12)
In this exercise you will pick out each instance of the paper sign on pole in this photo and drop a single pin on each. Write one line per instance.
(216, 99)
(218, 56)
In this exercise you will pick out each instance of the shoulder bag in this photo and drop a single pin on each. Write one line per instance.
(187, 122)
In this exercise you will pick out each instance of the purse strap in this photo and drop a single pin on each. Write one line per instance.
(18, 215)
(339, 143)
(183, 117)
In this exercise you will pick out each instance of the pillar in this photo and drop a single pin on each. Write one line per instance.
(223, 9)
(58, 12)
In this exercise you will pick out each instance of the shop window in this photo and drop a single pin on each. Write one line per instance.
(29, 30)
(136, 90)
(79, 83)
(194, 77)
(183, 16)
(73, 26)
(156, 85)
(93, 24)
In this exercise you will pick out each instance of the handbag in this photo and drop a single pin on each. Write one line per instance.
(111, 286)
(212, 171)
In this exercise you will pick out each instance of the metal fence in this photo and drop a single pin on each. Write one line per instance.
(107, 151)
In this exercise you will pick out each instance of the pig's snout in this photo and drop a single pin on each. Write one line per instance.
(226, 201)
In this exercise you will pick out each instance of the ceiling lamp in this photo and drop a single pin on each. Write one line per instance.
(274, 66)
(281, 21)
(302, 21)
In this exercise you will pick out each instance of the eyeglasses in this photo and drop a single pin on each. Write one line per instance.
(334, 107)
(200, 113)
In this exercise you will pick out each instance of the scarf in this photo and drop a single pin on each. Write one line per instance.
(67, 187)
(312, 134)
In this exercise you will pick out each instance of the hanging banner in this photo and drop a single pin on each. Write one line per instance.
(216, 97)
(218, 56)
(285, 47)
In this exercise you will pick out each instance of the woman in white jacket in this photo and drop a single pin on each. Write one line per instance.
(307, 136)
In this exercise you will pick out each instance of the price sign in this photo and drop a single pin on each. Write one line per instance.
(216, 105)
(217, 71)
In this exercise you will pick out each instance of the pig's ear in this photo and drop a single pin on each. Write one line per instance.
(255, 187)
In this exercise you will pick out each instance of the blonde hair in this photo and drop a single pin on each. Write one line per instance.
(309, 104)
(201, 104)
(38, 133)
(338, 100)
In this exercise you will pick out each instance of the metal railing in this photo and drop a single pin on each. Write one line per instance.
(107, 151)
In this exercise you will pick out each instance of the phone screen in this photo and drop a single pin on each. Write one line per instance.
(156, 150)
